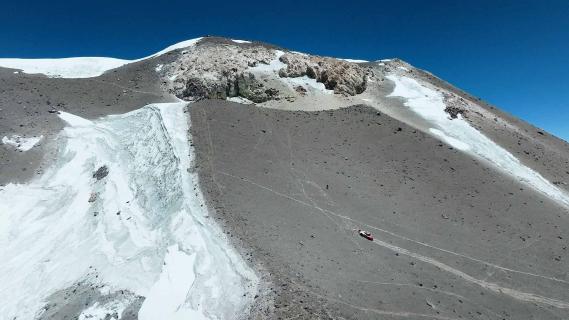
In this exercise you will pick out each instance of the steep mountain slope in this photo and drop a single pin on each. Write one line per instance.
(115, 209)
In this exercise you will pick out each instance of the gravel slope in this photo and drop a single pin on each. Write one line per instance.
(292, 186)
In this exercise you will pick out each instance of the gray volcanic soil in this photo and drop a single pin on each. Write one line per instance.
(291, 186)
(454, 237)
(534, 147)
(25, 102)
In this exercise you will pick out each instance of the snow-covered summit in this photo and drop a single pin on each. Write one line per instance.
(88, 67)
(179, 45)
(80, 67)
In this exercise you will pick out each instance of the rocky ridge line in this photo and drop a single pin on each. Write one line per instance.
(208, 71)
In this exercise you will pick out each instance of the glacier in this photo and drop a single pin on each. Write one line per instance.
(143, 228)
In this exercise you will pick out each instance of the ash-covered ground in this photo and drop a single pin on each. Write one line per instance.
(293, 154)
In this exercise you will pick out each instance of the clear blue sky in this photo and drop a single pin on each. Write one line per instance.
(514, 54)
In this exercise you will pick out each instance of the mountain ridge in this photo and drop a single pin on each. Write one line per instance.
(287, 155)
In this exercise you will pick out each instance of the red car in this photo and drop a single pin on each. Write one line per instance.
(366, 235)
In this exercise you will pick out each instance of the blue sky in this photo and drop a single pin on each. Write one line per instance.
(514, 54)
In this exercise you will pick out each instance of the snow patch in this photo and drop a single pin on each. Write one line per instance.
(179, 45)
(21, 143)
(305, 81)
(299, 53)
(273, 67)
(109, 311)
(429, 105)
(240, 100)
(354, 60)
(240, 41)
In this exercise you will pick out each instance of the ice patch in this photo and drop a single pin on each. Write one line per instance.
(21, 143)
(429, 105)
(148, 211)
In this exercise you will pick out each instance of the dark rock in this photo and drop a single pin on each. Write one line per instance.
(93, 197)
(300, 89)
(454, 111)
(101, 173)
(195, 90)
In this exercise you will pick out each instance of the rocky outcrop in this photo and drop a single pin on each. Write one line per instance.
(101, 173)
(239, 85)
(219, 72)
(455, 105)
(224, 71)
(346, 78)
